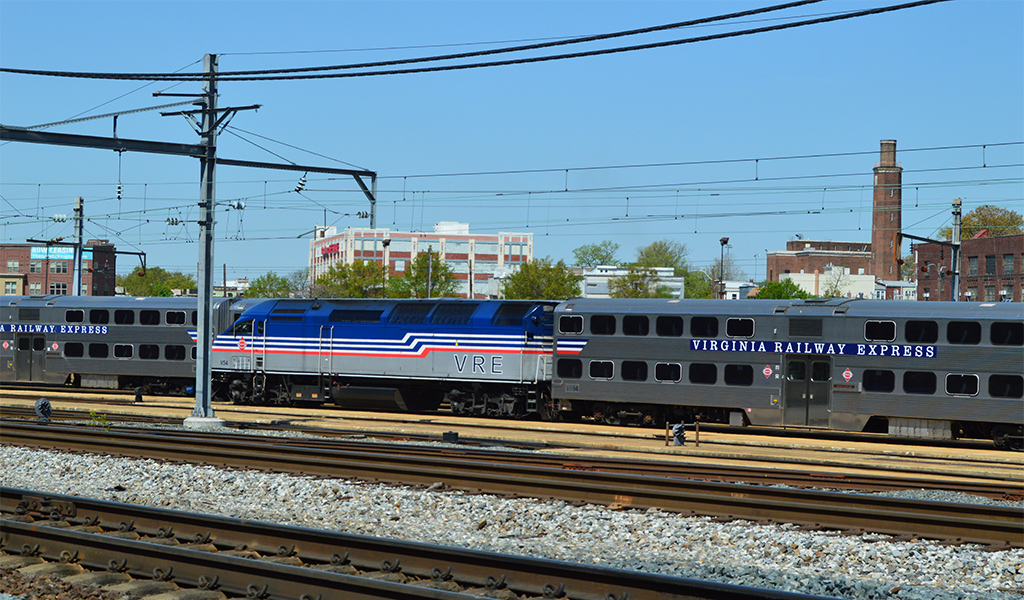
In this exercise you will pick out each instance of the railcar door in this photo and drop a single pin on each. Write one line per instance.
(30, 359)
(807, 389)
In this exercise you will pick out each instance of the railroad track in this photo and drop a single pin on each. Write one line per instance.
(504, 473)
(244, 558)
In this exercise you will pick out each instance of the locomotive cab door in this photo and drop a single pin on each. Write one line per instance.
(30, 357)
(807, 390)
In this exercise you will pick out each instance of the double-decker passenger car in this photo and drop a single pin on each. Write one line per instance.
(935, 370)
(487, 358)
(102, 342)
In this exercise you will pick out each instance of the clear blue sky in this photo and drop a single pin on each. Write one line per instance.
(534, 135)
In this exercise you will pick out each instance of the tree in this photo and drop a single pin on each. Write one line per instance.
(540, 279)
(361, 279)
(780, 290)
(663, 253)
(908, 270)
(155, 281)
(269, 285)
(698, 284)
(998, 221)
(732, 270)
(592, 255)
(414, 283)
(638, 282)
(836, 283)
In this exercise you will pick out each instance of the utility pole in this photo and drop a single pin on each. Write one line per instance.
(76, 279)
(955, 275)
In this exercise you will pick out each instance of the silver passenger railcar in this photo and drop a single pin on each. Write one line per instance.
(932, 370)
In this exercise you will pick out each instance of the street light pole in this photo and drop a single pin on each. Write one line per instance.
(721, 270)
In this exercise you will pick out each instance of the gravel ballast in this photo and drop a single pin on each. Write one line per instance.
(740, 552)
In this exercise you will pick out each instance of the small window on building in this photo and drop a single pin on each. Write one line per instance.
(98, 350)
(704, 373)
(149, 317)
(1006, 386)
(924, 332)
(634, 370)
(704, 327)
(570, 324)
(879, 331)
(738, 375)
(174, 352)
(963, 332)
(1007, 264)
(601, 369)
(99, 316)
(879, 380)
(739, 328)
(124, 317)
(123, 350)
(602, 324)
(1007, 333)
(570, 368)
(972, 266)
(669, 326)
(919, 382)
(668, 372)
(72, 349)
(990, 293)
(74, 316)
(636, 325)
(175, 317)
(149, 351)
(990, 264)
(962, 384)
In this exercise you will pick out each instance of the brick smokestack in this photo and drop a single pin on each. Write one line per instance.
(886, 219)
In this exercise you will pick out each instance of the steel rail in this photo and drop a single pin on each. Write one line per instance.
(468, 568)
(984, 524)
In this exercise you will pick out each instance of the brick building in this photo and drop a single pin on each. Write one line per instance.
(480, 261)
(37, 269)
(879, 257)
(990, 269)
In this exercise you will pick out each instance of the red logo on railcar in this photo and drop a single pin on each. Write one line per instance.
(54, 346)
(241, 343)
(767, 371)
(847, 374)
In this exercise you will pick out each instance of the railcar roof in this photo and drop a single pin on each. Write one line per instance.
(109, 302)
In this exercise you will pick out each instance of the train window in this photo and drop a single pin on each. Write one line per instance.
(410, 313)
(741, 328)
(570, 368)
(38, 344)
(879, 380)
(175, 317)
(124, 317)
(634, 370)
(24, 343)
(879, 331)
(669, 326)
(668, 371)
(174, 352)
(453, 313)
(510, 314)
(570, 324)
(73, 349)
(821, 371)
(602, 369)
(99, 316)
(706, 373)
(149, 351)
(355, 316)
(195, 318)
(242, 328)
(602, 325)
(636, 325)
(706, 327)
(259, 327)
(1006, 386)
(921, 331)
(98, 350)
(796, 371)
(123, 350)
(919, 382)
(738, 375)
(1007, 334)
(963, 332)
(961, 384)
(149, 317)
(74, 316)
